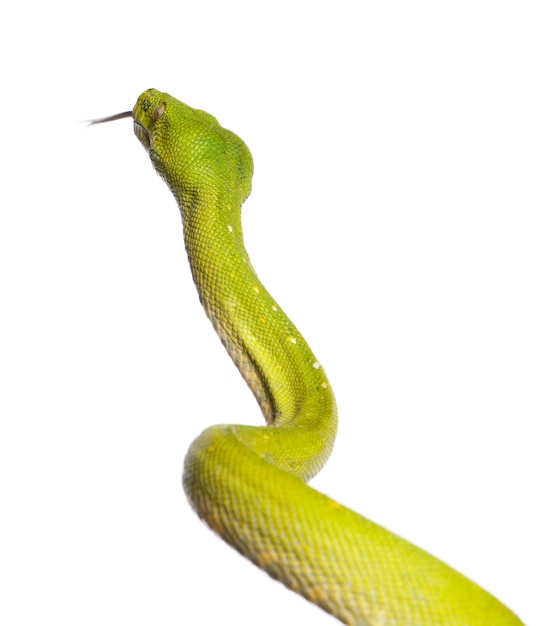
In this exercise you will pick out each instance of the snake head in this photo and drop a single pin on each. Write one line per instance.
(195, 156)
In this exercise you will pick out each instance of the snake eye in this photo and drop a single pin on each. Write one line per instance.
(159, 111)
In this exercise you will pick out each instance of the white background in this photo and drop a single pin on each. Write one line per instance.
(399, 215)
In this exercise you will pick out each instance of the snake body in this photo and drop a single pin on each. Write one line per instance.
(249, 483)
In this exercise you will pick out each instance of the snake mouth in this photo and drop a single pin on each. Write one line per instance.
(142, 134)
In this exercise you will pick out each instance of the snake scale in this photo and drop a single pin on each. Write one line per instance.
(249, 483)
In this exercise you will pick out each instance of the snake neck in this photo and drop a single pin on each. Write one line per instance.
(282, 372)
(220, 267)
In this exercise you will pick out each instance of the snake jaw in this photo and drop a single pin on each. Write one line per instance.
(142, 134)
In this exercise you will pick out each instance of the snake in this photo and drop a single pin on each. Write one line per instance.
(249, 483)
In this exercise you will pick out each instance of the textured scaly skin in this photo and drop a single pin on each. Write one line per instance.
(248, 483)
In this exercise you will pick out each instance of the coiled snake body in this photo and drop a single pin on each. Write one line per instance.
(249, 483)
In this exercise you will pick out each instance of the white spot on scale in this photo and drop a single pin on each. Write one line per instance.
(230, 228)
(274, 308)
(316, 365)
(291, 339)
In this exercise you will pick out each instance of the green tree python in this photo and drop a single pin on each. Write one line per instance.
(249, 483)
